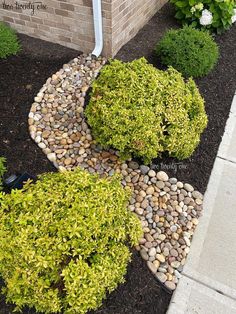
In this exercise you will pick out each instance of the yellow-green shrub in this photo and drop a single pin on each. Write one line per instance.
(140, 110)
(2, 169)
(63, 241)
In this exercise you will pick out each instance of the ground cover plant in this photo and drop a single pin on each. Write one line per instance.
(2, 169)
(214, 15)
(9, 44)
(190, 51)
(73, 229)
(140, 110)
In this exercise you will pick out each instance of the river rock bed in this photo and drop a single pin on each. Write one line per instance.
(168, 209)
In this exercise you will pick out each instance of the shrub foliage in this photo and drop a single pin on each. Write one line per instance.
(140, 110)
(192, 12)
(63, 241)
(2, 169)
(190, 51)
(9, 44)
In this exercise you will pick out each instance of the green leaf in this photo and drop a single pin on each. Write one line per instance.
(179, 15)
(192, 2)
(181, 4)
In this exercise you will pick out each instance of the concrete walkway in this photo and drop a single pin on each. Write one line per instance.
(208, 284)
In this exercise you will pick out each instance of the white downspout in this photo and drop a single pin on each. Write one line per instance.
(97, 18)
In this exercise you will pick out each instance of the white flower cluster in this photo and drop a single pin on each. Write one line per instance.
(197, 7)
(233, 18)
(206, 18)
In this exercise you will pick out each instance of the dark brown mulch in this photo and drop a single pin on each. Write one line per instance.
(22, 76)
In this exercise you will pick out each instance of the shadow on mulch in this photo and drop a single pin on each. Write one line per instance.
(23, 75)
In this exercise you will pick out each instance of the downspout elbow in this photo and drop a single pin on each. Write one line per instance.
(97, 18)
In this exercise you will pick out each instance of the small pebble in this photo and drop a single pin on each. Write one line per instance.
(152, 267)
(188, 187)
(151, 173)
(160, 257)
(161, 276)
(170, 285)
(162, 176)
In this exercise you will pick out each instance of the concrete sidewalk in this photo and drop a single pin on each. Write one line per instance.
(208, 284)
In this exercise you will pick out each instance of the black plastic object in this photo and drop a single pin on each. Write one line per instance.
(16, 181)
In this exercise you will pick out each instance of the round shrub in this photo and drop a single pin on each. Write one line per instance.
(190, 51)
(140, 110)
(64, 241)
(9, 44)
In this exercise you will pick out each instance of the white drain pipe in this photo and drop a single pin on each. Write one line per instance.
(97, 18)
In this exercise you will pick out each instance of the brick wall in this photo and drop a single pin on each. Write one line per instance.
(128, 17)
(70, 22)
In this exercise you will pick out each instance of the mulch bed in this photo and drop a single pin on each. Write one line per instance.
(23, 75)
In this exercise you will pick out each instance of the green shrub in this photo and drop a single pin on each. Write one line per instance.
(63, 241)
(9, 44)
(190, 51)
(2, 169)
(140, 110)
(215, 15)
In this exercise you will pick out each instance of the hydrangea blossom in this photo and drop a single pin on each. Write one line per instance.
(206, 18)
(199, 6)
(233, 19)
(196, 7)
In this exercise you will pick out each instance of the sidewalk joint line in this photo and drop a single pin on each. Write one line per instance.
(225, 159)
(210, 287)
